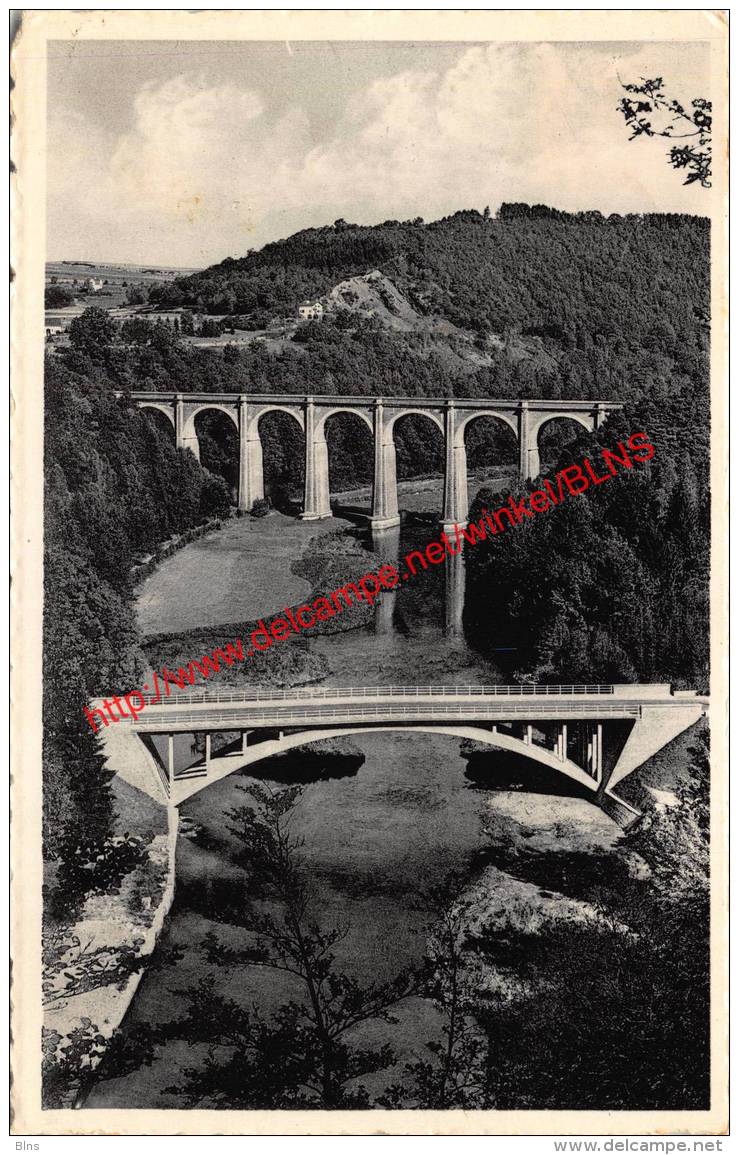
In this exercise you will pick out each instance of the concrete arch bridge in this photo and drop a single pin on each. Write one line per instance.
(593, 735)
(525, 418)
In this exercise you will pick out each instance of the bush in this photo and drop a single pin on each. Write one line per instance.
(57, 296)
(99, 868)
(215, 497)
(260, 508)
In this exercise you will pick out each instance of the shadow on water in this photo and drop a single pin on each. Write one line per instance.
(505, 770)
(313, 762)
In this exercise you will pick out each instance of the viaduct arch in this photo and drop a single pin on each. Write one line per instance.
(451, 417)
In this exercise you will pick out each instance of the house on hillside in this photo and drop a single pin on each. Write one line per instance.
(310, 311)
(94, 284)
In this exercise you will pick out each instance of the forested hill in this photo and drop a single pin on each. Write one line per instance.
(528, 268)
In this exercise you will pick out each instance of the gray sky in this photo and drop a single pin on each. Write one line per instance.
(180, 153)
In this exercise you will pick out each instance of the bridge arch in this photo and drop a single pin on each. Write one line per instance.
(349, 437)
(279, 446)
(587, 420)
(188, 428)
(550, 430)
(465, 421)
(158, 407)
(222, 767)
(362, 414)
(408, 433)
(256, 413)
(393, 418)
(217, 436)
(481, 440)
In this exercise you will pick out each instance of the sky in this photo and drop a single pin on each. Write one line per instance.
(180, 154)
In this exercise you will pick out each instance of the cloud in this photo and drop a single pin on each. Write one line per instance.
(206, 170)
(505, 122)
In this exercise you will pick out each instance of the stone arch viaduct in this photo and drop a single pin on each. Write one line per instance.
(452, 417)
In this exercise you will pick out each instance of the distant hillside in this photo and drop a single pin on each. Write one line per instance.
(529, 269)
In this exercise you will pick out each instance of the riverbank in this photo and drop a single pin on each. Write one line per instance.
(146, 564)
(426, 494)
(93, 966)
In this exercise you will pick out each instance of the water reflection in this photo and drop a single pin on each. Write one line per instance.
(454, 594)
(386, 543)
(434, 595)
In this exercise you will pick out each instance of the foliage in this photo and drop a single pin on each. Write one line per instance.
(453, 1074)
(215, 497)
(621, 1039)
(57, 296)
(637, 1031)
(72, 969)
(94, 329)
(674, 839)
(611, 585)
(136, 294)
(67, 1060)
(649, 98)
(260, 508)
(304, 1056)
(115, 487)
(98, 866)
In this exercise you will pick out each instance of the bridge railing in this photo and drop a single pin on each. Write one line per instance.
(289, 716)
(313, 692)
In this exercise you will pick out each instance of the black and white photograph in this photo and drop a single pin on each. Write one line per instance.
(370, 610)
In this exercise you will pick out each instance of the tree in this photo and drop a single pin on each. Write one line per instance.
(57, 296)
(210, 328)
(215, 497)
(454, 1074)
(136, 295)
(305, 1054)
(92, 331)
(675, 123)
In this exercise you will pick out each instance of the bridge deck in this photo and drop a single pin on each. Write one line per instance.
(239, 716)
(366, 402)
(267, 708)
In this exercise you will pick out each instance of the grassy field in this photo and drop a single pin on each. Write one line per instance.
(239, 574)
(117, 278)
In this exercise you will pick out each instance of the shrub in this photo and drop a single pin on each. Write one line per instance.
(260, 508)
(99, 867)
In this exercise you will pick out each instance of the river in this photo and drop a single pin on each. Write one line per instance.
(376, 839)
